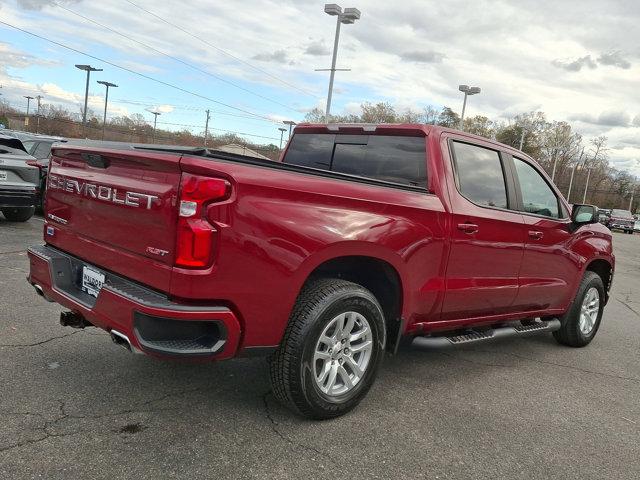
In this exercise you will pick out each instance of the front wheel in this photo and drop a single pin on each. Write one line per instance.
(18, 214)
(581, 322)
(331, 350)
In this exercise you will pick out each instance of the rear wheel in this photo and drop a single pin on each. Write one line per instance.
(331, 350)
(18, 214)
(582, 320)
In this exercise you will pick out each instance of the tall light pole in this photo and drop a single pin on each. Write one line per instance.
(282, 130)
(467, 90)
(155, 121)
(106, 100)
(631, 201)
(586, 185)
(291, 124)
(206, 127)
(573, 172)
(26, 120)
(88, 69)
(348, 16)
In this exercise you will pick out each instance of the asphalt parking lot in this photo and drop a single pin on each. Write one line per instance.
(74, 405)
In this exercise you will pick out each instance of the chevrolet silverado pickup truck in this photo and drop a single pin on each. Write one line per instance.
(359, 238)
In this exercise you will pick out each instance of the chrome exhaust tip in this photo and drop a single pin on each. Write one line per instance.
(40, 291)
(121, 339)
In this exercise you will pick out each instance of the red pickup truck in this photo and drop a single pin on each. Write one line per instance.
(359, 237)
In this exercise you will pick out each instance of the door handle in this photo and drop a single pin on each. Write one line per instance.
(468, 227)
(535, 234)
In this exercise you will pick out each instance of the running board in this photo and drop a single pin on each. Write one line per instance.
(472, 336)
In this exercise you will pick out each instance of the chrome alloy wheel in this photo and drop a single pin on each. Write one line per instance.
(342, 353)
(589, 310)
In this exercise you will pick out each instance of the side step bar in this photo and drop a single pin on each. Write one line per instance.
(472, 336)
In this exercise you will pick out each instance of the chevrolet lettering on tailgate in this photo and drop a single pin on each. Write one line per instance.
(101, 192)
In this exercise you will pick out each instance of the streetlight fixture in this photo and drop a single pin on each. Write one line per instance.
(155, 121)
(88, 69)
(106, 99)
(346, 16)
(26, 120)
(467, 90)
(282, 130)
(291, 123)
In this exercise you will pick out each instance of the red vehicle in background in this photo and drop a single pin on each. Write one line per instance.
(360, 236)
(621, 220)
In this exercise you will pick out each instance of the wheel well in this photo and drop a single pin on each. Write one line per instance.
(377, 276)
(603, 269)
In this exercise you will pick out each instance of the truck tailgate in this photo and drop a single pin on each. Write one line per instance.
(118, 207)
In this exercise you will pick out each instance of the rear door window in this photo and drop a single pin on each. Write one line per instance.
(391, 158)
(479, 175)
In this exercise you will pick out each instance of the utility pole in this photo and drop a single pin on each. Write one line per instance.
(38, 98)
(206, 127)
(155, 121)
(106, 100)
(553, 173)
(291, 124)
(88, 69)
(522, 139)
(348, 16)
(573, 171)
(26, 120)
(631, 201)
(586, 185)
(282, 130)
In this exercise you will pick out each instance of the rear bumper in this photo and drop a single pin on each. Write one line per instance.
(153, 324)
(17, 197)
(619, 226)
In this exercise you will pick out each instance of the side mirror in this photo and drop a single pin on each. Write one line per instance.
(584, 214)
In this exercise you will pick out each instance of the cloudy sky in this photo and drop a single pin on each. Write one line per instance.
(251, 62)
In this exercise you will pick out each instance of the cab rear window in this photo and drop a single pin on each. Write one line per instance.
(390, 158)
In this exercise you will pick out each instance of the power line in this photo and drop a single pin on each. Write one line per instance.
(221, 50)
(217, 129)
(196, 109)
(126, 69)
(176, 59)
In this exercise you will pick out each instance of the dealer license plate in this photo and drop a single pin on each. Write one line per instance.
(92, 281)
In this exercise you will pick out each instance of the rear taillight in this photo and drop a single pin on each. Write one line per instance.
(195, 236)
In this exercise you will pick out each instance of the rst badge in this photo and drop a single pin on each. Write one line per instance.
(157, 251)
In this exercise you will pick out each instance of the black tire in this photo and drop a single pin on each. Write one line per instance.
(570, 333)
(292, 365)
(18, 214)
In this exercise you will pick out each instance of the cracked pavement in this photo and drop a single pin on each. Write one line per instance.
(73, 405)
